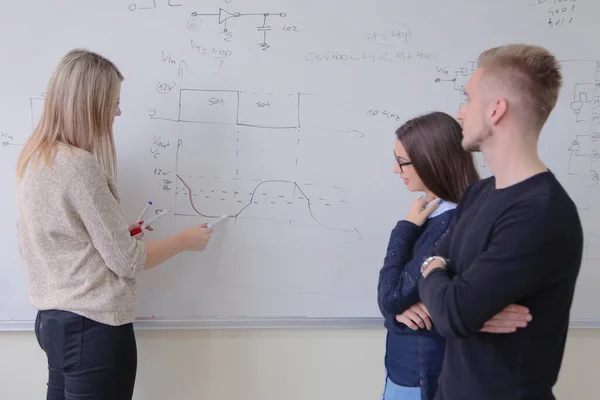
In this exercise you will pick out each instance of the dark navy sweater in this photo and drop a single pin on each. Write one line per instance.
(413, 358)
(521, 244)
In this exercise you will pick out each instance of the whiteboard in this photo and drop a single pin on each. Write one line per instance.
(282, 113)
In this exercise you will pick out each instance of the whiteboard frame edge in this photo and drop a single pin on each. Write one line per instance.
(261, 323)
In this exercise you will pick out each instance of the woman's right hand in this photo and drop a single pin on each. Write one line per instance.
(416, 317)
(196, 238)
(419, 212)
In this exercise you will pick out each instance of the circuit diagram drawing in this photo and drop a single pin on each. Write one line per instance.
(224, 16)
(584, 104)
(459, 79)
(581, 157)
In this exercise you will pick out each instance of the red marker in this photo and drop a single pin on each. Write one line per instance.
(135, 231)
(144, 210)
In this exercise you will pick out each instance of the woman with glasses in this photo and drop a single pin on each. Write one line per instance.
(429, 159)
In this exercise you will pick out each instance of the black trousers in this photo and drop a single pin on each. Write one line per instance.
(86, 359)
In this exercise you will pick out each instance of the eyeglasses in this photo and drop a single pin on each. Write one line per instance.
(402, 163)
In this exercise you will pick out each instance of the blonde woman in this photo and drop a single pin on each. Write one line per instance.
(80, 258)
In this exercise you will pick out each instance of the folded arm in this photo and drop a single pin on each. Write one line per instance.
(518, 260)
(398, 279)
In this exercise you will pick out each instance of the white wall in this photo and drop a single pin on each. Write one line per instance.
(266, 365)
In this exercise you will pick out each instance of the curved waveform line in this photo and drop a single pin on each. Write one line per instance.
(308, 203)
(190, 195)
(238, 214)
(254, 194)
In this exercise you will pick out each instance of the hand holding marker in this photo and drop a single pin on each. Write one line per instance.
(221, 218)
(150, 222)
(156, 218)
(162, 214)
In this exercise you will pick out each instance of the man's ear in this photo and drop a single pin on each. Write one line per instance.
(498, 110)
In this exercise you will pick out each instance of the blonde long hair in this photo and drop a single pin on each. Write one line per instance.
(81, 101)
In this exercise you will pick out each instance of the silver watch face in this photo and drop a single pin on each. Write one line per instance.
(427, 261)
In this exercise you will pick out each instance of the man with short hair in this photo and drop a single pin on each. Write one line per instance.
(516, 238)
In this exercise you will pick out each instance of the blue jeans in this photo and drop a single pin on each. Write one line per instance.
(86, 359)
(396, 392)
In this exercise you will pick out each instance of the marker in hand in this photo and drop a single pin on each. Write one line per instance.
(135, 231)
(221, 218)
(156, 218)
(141, 217)
(150, 222)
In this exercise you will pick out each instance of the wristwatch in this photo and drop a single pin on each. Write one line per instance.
(429, 260)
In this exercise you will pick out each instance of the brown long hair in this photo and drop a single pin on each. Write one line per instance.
(79, 109)
(433, 144)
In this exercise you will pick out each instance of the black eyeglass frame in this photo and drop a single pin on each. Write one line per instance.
(402, 163)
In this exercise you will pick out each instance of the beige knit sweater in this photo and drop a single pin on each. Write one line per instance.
(77, 250)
